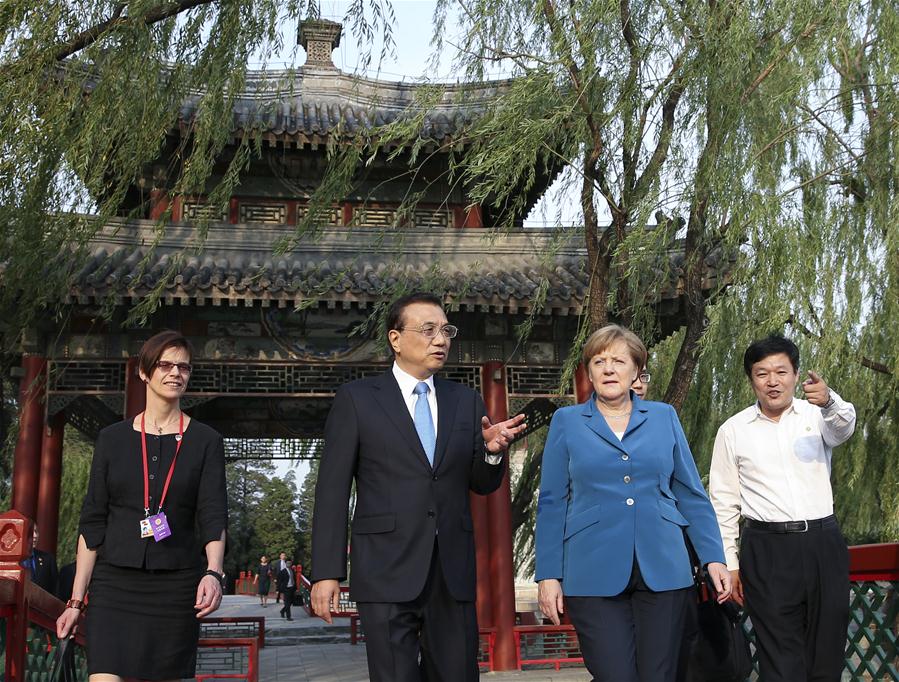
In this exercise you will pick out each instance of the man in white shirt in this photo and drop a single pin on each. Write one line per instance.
(771, 465)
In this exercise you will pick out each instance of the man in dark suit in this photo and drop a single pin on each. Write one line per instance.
(412, 550)
(287, 586)
(41, 565)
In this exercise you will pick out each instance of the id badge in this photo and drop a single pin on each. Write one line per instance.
(160, 526)
(146, 529)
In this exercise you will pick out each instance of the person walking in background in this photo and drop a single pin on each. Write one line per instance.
(771, 465)
(287, 586)
(618, 492)
(416, 445)
(263, 580)
(281, 563)
(155, 502)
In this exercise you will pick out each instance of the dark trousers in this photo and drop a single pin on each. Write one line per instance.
(288, 593)
(634, 636)
(797, 594)
(432, 638)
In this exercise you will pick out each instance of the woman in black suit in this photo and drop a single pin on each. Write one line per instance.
(154, 480)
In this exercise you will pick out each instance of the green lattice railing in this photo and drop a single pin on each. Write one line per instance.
(872, 642)
(39, 653)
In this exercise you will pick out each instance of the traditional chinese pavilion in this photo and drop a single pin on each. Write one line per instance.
(272, 332)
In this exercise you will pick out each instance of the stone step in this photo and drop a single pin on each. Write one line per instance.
(300, 639)
(288, 636)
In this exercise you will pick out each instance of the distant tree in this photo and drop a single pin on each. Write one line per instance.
(304, 516)
(246, 481)
(274, 517)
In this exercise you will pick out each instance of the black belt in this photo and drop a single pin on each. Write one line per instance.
(792, 526)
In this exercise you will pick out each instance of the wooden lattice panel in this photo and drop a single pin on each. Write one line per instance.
(197, 211)
(272, 448)
(270, 214)
(375, 217)
(470, 376)
(333, 217)
(77, 375)
(534, 381)
(233, 661)
(431, 218)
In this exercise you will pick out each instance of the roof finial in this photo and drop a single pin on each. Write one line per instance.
(319, 37)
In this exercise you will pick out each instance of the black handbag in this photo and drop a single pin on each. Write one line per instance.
(718, 650)
(62, 665)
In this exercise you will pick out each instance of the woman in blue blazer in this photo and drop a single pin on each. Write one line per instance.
(619, 490)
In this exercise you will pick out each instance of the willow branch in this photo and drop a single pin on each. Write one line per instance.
(807, 31)
(876, 366)
(94, 33)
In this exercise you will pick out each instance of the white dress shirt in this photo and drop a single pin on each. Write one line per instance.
(407, 384)
(776, 470)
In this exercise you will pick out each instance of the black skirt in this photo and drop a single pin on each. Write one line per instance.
(142, 623)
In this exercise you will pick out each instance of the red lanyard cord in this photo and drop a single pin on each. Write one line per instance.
(168, 479)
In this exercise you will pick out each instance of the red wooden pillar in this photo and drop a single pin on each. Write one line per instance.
(582, 386)
(480, 519)
(49, 484)
(499, 506)
(159, 203)
(135, 390)
(27, 459)
(15, 530)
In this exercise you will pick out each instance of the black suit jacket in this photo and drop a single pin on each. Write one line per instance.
(401, 502)
(283, 578)
(44, 573)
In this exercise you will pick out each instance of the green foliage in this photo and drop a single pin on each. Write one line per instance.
(246, 480)
(77, 454)
(304, 517)
(767, 132)
(274, 521)
(90, 92)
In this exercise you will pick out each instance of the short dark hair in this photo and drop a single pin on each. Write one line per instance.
(770, 345)
(158, 344)
(395, 311)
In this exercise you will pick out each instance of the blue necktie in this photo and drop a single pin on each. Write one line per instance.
(424, 425)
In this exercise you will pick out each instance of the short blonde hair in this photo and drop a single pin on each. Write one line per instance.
(602, 338)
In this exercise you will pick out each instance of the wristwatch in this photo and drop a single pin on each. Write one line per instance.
(829, 403)
(215, 574)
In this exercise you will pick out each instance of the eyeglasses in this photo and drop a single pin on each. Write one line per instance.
(429, 331)
(645, 377)
(166, 367)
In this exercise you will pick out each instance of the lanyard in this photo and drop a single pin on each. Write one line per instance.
(168, 479)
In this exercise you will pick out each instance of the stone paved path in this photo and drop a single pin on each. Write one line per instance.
(324, 661)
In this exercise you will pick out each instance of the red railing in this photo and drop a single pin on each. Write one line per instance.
(557, 645)
(22, 603)
(874, 562)
(346, 606)
(251, 644)
(547, 645)
(255, 623)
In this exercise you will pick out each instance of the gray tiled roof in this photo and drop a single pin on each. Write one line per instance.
(349, 270)
(311, 104)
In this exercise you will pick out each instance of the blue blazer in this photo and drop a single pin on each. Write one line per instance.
(603, 500)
